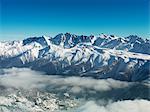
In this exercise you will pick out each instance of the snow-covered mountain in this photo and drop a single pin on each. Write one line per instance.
(104, 56)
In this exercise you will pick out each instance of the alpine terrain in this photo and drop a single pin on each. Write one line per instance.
(75, 73)
(105, 56)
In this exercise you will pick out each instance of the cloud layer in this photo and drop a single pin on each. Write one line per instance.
(98, 95)
(120, 106)
(26, 78)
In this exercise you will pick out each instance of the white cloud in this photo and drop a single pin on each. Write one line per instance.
(120, 106)
(23, 77)
(27, 79)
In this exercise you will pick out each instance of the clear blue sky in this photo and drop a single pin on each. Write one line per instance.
(22, 18)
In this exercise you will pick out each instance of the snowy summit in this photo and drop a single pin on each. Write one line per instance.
(103, 56)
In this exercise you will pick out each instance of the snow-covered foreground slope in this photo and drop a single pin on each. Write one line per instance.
(106, 56)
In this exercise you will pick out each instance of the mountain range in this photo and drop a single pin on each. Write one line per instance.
(103, 56)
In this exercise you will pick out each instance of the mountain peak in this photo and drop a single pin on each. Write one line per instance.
(43, 40)
(132, 43)
(101, 57)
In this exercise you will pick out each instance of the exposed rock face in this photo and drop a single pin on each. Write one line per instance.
(105, 56)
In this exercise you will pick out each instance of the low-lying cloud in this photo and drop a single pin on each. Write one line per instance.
(27, 78)
(120, 106)
(20, 78)
(100, 95)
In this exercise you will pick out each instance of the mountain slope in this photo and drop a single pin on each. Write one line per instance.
(106, 56)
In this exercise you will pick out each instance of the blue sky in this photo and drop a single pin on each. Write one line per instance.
(22, 18)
